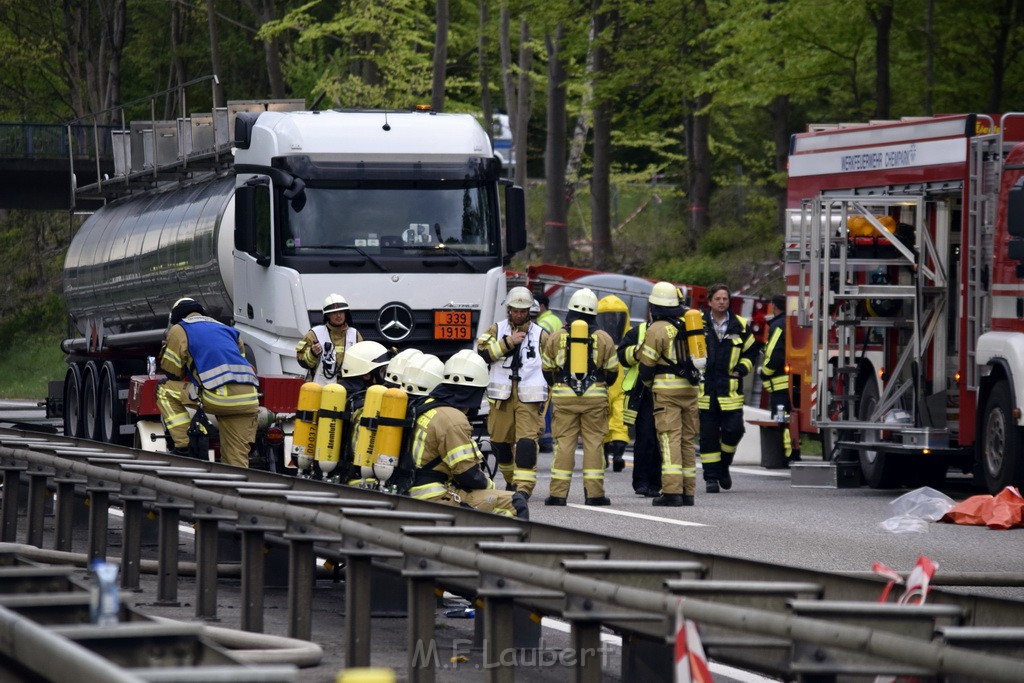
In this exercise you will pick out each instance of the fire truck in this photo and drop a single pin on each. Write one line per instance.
(905, 296)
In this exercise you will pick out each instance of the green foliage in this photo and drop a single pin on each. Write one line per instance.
(26, 368)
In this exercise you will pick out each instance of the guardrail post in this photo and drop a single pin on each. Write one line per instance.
(11, 495)
(252, 579)
(38, 494)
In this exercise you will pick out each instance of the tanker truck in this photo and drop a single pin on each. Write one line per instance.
(398, 211)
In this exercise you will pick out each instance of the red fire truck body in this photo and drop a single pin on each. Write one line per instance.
(905, 296)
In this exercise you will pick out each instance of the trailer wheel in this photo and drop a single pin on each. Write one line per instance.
(880, 470)
(73, 401)
(90, 402)
(111, 408)
(1001, 442)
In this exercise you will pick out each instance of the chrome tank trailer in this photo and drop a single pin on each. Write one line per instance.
(133, 258)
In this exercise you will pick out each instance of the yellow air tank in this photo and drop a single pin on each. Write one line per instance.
(693, 321)
(388, 441)
(330, 427)
(365, 435)
(579, 347)
(304, 433)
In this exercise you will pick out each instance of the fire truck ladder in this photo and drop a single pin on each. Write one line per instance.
(986, 154)
(844, 282)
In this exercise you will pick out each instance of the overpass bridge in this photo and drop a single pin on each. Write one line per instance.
(36, 161)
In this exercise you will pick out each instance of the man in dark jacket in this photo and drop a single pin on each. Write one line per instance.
(731, 353)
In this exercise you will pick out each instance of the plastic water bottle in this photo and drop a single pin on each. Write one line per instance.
(105, 602)
(151, 365)
(780, 413)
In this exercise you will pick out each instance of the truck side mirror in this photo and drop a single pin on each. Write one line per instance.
(515, 219)
(1015, 210)
(252, 220)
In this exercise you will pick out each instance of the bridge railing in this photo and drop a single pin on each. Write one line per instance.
(50, 141)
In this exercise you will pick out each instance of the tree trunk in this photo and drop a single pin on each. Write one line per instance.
(600, 183)
(881, 17)
(522, 102)
(578, 144)
(176, 69)
(700, 166)
(218, 89)
(779, 111)
(485, 86)
(556, 242)
(440, 57)
(999, 50)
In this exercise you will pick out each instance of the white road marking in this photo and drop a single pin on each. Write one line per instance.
(637, 515)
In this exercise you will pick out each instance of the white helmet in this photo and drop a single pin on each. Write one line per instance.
(362, 358)
(467, 368)
(397, 365)
(584, 301)
(422, 374)
(335, 303)
(664, 294)
(519, 297)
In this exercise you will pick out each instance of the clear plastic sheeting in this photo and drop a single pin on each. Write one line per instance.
(915, 509)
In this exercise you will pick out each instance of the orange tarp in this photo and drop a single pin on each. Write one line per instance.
(1005, 510)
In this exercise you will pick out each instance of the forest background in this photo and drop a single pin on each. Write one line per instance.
(652, 135)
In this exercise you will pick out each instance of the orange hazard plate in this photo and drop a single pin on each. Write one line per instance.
(453, 324)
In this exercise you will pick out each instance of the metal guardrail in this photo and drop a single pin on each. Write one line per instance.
(589, 580)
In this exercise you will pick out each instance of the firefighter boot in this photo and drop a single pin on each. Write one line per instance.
(671, 500)
(712, 474)
(724, 478)
(616, 449)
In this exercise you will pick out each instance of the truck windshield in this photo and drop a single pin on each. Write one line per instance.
(425, 219)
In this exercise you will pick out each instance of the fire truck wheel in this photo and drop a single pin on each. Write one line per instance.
(1001, 442)
(880, 470)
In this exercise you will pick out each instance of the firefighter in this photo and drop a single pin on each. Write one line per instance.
(323, 348)
(362, 368)
(447, 460)
(206, 367)
(731, 353)
(613, 318)
(668, 366)
(580, 362)
(517, 392)
(547, 319)
(638, 411)
(774, 378)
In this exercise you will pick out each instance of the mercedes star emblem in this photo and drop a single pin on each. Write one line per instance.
(395, 322)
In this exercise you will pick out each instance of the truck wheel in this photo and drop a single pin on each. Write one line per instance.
(1001, 442)
(111, 408)
(73, 402)
(880, 470)
(90, 402)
